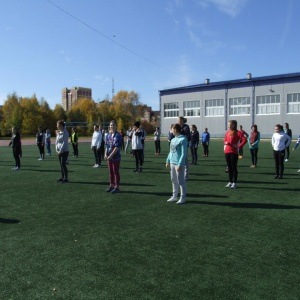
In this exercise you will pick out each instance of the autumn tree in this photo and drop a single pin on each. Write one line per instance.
(12, 114)
(59, 113)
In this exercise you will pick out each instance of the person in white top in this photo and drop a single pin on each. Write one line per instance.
(280, 141)
(96, 144)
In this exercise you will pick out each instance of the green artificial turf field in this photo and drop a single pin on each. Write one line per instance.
(75, 241)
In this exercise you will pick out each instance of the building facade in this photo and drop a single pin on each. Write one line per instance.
(70, 96)
(264, 101)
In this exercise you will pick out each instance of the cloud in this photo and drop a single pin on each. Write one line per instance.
(229, 7)
(286, 28)
(209, 47)
(66, 56)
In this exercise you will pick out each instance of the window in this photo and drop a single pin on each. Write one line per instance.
(214, 107)
(268, 105)
(171, 110)
(239, 106)
(191, 108)
(293, 102)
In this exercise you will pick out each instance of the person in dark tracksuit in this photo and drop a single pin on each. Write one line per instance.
(194, 143)
(62, 149)
(15, 143)
(40, 141)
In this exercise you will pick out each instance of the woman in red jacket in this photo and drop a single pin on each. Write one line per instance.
(232, 142)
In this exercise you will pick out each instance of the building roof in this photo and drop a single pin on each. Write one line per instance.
(244, 82)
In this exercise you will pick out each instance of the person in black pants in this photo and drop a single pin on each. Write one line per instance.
(287, 131)
(280, 141)
(194, 143)
(62, 149)
(15, 143)
(40, 141)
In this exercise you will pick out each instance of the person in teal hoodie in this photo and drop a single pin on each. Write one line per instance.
(253, 141)
(176, 163)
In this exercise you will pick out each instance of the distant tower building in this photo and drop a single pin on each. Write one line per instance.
(69, 97)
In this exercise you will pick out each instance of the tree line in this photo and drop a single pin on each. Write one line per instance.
(28, 113)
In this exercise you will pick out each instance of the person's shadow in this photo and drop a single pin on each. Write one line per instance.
(9, 221)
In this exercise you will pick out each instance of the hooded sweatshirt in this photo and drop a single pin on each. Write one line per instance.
(178, 151)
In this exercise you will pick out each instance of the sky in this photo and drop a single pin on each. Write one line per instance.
(141, 45)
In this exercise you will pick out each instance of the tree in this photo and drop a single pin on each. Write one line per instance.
(12, 114)
(32, 118)
(59, 113)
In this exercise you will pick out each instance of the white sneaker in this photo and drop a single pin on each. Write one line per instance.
(16, 169)
(40, 159)
(228, 185)
(286, 159)
(95, 166)
(172, 199)
(233, 186)
(13, 168)
(181, 201)
(298, 171)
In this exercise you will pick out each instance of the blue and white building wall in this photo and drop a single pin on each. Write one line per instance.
(265, 101)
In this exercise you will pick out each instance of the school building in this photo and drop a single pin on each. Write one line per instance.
(264, 101)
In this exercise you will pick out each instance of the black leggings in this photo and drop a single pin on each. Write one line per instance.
(139, 158)
(157, 146)
(16, 153)
(254, 156)
(279, 162)
(231, 160)
(63, 157)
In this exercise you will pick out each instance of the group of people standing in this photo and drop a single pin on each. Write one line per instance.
(181, 138)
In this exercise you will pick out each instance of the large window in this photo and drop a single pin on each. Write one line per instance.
(239, 106)
(191, 108)
(268, 105)
(214, 107)
(293, 102)
(171, 109)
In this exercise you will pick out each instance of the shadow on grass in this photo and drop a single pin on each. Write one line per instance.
(246, 205)
(9, 221)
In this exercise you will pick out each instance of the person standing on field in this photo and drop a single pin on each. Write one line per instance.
(74, 142)
(15, 145)
(176, 162)
(287, 131)
(113, 144)
(157, 141)
(280, 141)
(233, 140)
(205, 139)
(40, 142)
(96, 145)
(62, 150)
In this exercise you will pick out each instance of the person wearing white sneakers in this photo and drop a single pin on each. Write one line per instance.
(233, 140)
(176, 162)
(96, 145)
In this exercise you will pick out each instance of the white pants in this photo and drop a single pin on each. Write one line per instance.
(178, 180)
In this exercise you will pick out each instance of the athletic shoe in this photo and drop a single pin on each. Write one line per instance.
(228, 185)
(298, 171)
(279, 177)
(109, 189)
(40, 159)
(181, 201)
(59, 180)
(95, 166)
(233, 186)
(15, 168)
(172, 199)
(140, 170)
(115, 190)
(135, 171)
(276, 177)
(286, 159)
(65, 181)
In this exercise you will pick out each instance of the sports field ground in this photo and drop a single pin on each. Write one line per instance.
(75, 241)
